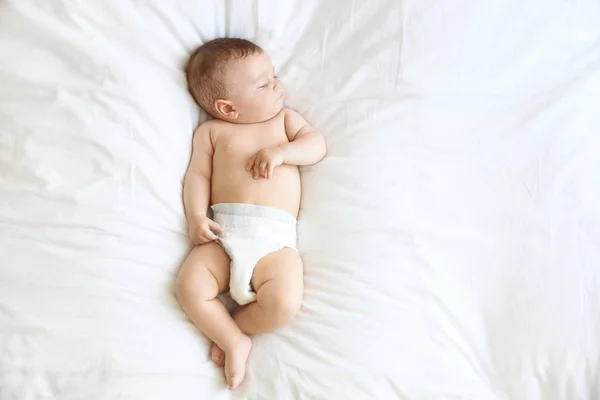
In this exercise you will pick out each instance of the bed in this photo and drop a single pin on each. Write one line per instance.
(451, 237)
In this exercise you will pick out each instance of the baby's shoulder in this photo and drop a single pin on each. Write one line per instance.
(293, 120)
(213, 128)
(288, 112)
(213, 125)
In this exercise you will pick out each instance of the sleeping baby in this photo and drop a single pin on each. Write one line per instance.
(244, 165)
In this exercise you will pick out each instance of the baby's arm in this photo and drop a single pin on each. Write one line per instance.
(306, 146)
(196, 188)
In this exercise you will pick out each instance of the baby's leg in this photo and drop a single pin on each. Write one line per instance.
(278, 282)
(204, 274)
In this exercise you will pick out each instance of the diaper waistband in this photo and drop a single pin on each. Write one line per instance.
(253, 210)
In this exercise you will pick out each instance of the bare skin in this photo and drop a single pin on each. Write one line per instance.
(249, 153)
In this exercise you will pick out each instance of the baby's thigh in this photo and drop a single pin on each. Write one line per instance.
(205, 271)
(282, 269)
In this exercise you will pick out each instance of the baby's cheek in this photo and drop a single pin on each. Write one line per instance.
(262, 102)
(257, 100)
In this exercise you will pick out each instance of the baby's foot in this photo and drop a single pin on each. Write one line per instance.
(217, 355)
(235, 361)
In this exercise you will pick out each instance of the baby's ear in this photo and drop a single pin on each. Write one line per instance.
(226, 109)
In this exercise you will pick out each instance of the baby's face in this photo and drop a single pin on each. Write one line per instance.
(256, 94)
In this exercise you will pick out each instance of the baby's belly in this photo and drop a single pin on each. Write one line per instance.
(237, 186)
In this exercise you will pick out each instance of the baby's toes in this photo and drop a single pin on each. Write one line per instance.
(216, 354)
(221, 361)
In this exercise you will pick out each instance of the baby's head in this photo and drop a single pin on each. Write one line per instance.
(234, 80)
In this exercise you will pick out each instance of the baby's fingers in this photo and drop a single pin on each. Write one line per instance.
(199, 239)
(270, 169)
(263, 169)
(250, 164)
(215, 228)
(209, 236)
(256, 170)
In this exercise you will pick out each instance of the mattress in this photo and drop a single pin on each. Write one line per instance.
(451, 237)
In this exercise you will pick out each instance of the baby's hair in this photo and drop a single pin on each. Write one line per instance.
(207, 65)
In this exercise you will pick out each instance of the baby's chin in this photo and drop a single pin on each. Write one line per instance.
(265, 115)
(273, 111)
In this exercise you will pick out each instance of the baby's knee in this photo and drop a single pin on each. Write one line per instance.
(183, 287)
(285, 302)
(289, 306)
(196, 284)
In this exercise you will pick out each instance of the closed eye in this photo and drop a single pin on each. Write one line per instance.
(263, 86)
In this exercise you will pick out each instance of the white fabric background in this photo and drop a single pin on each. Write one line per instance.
(451, 238)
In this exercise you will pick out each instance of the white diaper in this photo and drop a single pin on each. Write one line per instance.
(250, 232)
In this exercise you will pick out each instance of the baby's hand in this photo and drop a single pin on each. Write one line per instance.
(264, 162)
(203, 230)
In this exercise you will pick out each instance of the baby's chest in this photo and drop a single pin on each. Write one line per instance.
(246, 142)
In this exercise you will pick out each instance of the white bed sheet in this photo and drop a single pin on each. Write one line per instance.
(451, 238)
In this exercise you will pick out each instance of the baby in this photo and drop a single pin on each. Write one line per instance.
(244, 165)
